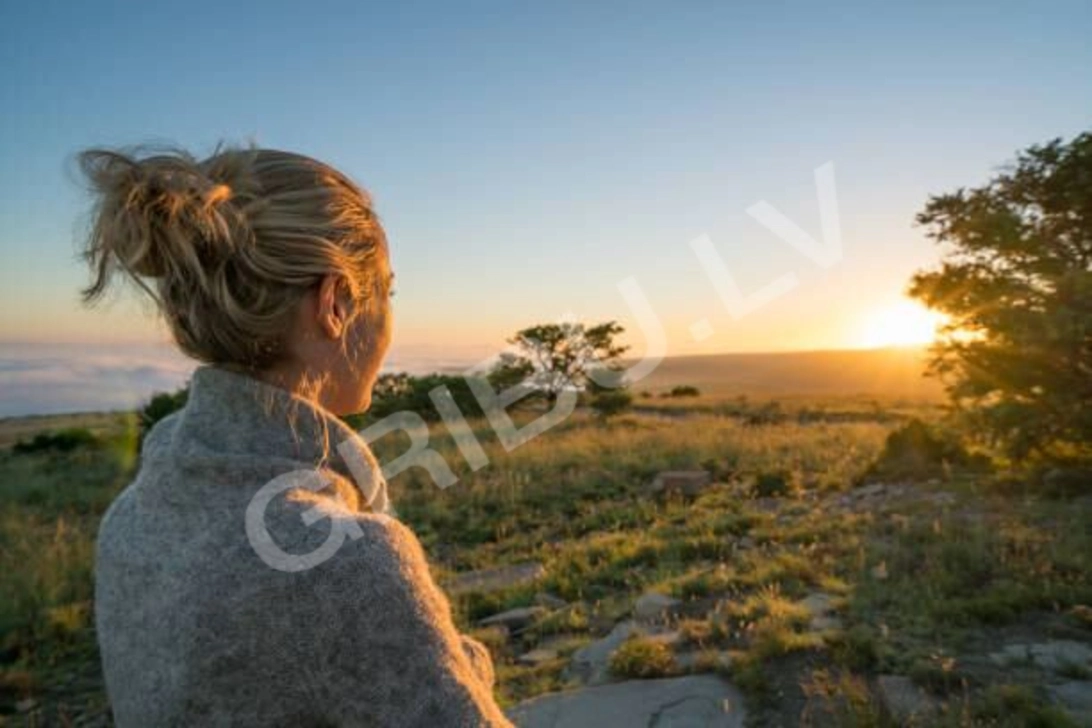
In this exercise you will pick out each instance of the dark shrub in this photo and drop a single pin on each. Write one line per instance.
(610, 402)
(774, 484)
(65, 440)
(159, 406)
(768, 414)
(917, 451)
(403, 392)
(684, 390)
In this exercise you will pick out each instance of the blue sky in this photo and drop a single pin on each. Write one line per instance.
(526, 157)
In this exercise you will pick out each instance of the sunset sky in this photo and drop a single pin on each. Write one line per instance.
(527, 157)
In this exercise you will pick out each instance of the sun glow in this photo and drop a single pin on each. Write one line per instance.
(903, 324)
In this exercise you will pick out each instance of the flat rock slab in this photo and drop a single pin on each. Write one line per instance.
(514, 618)
(653, 606)
(1052, 655)
(491, 580)
(1076, 698)
(698, 701)
(904, 700)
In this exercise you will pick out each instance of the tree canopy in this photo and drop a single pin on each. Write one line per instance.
(1016, 283)
(552, 357)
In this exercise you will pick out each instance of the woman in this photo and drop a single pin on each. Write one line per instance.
(245, 577)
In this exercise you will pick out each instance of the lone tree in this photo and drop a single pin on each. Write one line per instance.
(1016, 283)
(553, 357)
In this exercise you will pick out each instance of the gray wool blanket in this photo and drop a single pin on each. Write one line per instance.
(222, 600)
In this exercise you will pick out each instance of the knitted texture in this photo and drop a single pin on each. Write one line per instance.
(197, 628)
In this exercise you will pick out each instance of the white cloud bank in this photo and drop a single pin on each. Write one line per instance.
(58, 378)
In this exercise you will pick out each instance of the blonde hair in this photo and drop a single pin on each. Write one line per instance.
(228, 246)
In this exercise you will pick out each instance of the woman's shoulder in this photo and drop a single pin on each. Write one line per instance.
(159, 435)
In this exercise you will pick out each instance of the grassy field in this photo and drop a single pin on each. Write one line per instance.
(922, 575)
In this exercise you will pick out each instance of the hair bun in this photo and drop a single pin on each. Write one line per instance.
(157, 213)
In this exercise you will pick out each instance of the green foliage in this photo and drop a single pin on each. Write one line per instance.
(1016, 283)
(917, 451)
(641, 657)
(775, 484)
(159, 406)
(857, 648)
(1018, 705)
(65, 440)
(554, 357)
(50, 505)
(403, 392)
(610, 402)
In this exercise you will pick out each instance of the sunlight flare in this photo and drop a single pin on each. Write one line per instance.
(905, 323)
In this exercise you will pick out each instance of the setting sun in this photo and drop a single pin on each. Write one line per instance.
(903, 324)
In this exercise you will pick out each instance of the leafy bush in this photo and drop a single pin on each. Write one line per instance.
(65, 440)
(610, 402)
(403, 392)
(641, 657)
(1016, 284)
(917, 451)
(159, 406)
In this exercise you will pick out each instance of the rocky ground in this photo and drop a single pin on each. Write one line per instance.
(1050, 655)
(760, 579)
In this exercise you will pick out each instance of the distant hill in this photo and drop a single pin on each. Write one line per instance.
(895, 372)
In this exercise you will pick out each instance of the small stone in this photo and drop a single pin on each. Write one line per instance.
(746, 543)
(820, 605)
(513, 618)
(545, 599)
(26, 705)
(687, 482)
(942, 499)
(817, 603)
(653, 605)
(825, 624)
(870, 491)
(537, 656)
(904, 700)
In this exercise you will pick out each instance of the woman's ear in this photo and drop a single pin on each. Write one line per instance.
(332, 313)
